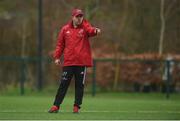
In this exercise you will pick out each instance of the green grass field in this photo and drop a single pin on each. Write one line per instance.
(104, 106)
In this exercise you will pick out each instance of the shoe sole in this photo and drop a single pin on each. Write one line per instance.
(52, 111)
(76, 112)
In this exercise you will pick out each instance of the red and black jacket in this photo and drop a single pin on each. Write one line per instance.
(74, 44)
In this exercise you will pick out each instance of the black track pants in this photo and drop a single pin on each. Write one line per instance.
(79, 72)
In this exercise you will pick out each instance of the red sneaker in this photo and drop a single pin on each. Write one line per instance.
(54, 109)
(76, 109)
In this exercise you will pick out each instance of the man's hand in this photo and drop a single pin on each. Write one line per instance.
(57, 62)
(98, 31)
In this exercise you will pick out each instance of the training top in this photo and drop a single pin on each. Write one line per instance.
(73, 44)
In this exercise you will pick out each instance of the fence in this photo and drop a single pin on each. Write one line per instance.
(138, 75)
(106, 74)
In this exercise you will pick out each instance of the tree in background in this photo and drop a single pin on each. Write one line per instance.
(128, 27)
(165, 12)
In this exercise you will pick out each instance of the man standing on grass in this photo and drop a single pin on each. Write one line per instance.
(73, 43)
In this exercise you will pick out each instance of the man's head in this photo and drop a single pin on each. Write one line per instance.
(77, 16)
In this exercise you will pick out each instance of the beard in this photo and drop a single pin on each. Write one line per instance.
(79, 22)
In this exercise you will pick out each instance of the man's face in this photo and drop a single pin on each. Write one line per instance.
(77, 19)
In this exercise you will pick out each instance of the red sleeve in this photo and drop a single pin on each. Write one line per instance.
(60, 45)
(89, 29)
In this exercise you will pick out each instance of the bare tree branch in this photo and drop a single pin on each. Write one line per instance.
(66, 4)
(91, 9)
(116, 46)
(170, 7)
(162, 27)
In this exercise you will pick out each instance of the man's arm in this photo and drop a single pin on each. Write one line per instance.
(92, 31)
(59, 47)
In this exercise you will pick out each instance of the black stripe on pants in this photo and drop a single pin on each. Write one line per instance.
(68, 72)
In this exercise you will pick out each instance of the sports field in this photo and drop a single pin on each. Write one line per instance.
(106, 106)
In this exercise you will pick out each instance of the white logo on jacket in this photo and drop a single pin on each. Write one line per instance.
(81, 32)
(68, 32)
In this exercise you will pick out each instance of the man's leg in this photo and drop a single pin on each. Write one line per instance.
(64, 84)
(80, 74)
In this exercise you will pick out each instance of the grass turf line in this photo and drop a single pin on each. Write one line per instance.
(107, 106)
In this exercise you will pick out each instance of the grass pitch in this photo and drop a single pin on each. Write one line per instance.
(106, 106)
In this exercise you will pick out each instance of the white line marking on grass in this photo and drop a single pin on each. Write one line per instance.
(89, 111)
(130, 111)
